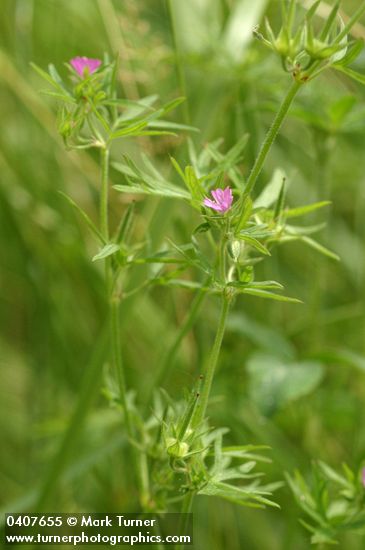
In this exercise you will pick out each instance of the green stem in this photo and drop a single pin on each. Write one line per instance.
(271, 135)
(187, 504)
(115, 299)
(144, 481)
(104, 193)
(140, 460)
(201, 408)
(222, 258)
(268, 141)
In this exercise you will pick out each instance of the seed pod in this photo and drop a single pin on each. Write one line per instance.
(234, 249)
(176, 448)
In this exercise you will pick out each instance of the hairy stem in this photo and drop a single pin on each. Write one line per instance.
(271, 135)
(114, 300)
(201, 408)
(104, 193)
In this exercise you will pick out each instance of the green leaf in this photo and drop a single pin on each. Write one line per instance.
(353, 51)
(49, 79)
(271, 192)
(178, 169)
(331, 19)
(195, 257)
(244, 497)
(312, 10)
(226, 164)
(108, 250)
(359, 77)
(183, 283)
(194, 185)
(331, 474)
(159, 258)
(58, 95)
(274, 382)
(132, 129)
(140, 190)
(269, 295)
(295, 230)
(165, 124)
(247, 211)
(342, 43)
(322, 249)
(202, 228)
(280, 202)
(136, 107)
(190, 407)
(256, 284)
(125, 224)
(254, 243)
(169, 106)
(150, 183)
(85, 217)
(152, 133)
(56, 77)
(303, 210)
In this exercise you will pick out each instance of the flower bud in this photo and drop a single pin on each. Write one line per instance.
(176, 448)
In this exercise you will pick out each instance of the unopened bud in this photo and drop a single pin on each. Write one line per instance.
(176, 448)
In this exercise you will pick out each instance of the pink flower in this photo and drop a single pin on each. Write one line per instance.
(222, 200)
(85, 65)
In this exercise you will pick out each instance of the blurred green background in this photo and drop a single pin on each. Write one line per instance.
(52, 297)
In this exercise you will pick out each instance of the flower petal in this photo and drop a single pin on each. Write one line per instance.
(212, 204)
(82, 63)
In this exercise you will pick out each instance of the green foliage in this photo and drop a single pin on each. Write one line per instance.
(174, 450)
(334, 502)
(93, 116)
(67, 446)
(305, 53)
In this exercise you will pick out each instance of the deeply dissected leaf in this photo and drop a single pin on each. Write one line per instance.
(149, 182)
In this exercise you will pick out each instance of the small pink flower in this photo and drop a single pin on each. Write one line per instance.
(222, 200)
(85, 65)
